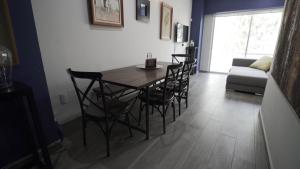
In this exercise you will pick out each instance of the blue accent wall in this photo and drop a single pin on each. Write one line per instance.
(197, 25)
(203, 7)
(14, 137)
(215, 6)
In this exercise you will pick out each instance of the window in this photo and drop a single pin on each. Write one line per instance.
(243, 36)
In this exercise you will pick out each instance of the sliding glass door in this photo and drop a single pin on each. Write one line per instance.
(250, 35)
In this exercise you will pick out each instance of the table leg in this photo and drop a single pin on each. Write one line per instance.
(147, 112)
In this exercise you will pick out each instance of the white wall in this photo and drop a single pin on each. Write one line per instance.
(282, 129)
(68, 40)
(208, 34)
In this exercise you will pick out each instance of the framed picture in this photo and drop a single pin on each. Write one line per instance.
(166, 18)
(107, 12)
(7, 37)
(178, 33)
(143, 10)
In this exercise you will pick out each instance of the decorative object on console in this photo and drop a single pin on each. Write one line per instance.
(7, 37)
(166, 18)
(286, 68)
(192, 44)
(5, 68)
(143, 10)
(107, 12)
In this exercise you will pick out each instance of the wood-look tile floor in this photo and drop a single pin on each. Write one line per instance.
(218, 130)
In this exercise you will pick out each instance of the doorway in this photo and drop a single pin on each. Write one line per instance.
(243, 35)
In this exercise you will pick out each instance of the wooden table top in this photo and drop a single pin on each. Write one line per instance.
(134, 77)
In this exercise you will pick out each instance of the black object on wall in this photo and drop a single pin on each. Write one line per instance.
(181, 33)
(31, 72)
(143, 10)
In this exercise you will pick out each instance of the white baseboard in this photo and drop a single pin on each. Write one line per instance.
(266, 140)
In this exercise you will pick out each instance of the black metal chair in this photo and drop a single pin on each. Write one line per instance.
(162, 97)
(182, 86)
(110, 90)
(105, 112)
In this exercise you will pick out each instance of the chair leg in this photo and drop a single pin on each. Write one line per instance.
(164, 119)
(179, 105)
(186, 99)
(107, 135)
(129, 127)
(83, 131)
(152, 109)
(174, 115)
(140, 113)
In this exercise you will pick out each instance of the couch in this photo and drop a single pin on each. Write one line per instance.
(243, 78)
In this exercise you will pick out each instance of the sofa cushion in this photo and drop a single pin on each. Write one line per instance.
(247, 76)
(264, 63)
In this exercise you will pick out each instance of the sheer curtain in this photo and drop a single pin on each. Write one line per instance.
(243, 35)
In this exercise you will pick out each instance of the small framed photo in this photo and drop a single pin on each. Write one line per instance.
(107, 12)
(143, 10)
(166, 21)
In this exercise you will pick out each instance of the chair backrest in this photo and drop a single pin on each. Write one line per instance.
(187, 69)
(84, 95)
(172, 76)
(185, 73)
(192, 50)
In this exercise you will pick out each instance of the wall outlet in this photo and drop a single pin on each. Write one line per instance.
(62, 99)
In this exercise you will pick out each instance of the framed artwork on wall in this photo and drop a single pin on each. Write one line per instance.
(7, 37)
(286, 67)
(143, 10)
(107, 12)
(166, 21)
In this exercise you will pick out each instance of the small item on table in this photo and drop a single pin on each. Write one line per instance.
(150, 62)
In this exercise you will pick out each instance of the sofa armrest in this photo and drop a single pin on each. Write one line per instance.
(242, 62)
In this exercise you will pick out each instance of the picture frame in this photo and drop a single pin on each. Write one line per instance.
(166, 21)
(178, 33)
(143, 10)
(107, 13)
(6, 31)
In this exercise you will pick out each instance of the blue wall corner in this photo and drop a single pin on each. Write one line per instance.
(31, 72)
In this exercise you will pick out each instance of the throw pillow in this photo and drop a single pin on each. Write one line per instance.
(264, 63)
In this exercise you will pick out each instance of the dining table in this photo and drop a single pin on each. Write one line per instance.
(135, 77)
